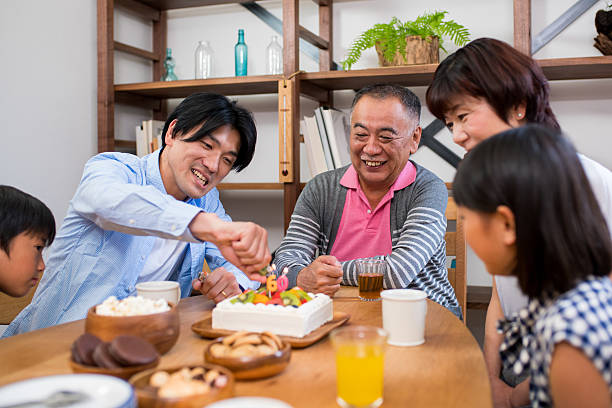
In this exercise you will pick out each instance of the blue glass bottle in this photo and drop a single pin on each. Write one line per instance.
(241, 55)
(169, 74)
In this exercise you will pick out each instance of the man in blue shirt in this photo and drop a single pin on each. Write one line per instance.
(155, 218)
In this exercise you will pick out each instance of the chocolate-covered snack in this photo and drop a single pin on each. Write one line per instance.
(132, 350)
(74, 355)
(103, 358)
(83, 348)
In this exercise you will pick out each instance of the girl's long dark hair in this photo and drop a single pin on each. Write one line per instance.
(561, 234)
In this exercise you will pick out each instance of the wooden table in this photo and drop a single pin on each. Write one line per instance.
(448, 370)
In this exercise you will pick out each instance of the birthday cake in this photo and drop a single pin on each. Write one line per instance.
(290, 312)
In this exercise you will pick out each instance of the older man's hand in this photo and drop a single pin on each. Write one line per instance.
(218, 285)
(323, 275)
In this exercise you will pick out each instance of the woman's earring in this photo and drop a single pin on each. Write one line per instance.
(520, 115)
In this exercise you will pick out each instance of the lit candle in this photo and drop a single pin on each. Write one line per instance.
(282, 283)
(271, 284)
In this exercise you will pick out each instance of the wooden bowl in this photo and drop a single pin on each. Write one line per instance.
(123, 372)
(147, 395)
(159, 329)
(252, 367)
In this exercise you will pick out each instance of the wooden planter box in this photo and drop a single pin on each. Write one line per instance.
(418, 51)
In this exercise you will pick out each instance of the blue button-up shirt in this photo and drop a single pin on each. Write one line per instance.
(119, 208)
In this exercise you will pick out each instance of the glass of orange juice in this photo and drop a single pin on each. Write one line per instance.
(360, 361)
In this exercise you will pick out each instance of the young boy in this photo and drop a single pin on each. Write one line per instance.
(26, 227)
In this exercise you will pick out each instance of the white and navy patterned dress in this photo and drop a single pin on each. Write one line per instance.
(581, 317)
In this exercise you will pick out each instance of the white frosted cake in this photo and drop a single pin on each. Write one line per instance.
(283, 320)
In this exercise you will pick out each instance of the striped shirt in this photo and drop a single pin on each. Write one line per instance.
(361, 223)
(112, 224)
(417, 223)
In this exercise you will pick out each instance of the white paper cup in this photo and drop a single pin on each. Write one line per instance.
(403, 312)
(168, 290)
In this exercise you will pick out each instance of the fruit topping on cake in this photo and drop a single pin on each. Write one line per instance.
(292, 297)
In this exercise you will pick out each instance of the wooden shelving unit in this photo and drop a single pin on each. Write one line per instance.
(289, 87)
(153, 95)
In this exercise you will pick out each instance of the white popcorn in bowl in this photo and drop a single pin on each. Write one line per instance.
(131, 306)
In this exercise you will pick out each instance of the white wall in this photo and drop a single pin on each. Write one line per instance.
(47, 96)
(48, 84)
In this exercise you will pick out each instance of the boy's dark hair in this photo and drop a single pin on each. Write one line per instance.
(382, 91)
(496, 72)
(21, 212)
(561, 235)
(211, 111)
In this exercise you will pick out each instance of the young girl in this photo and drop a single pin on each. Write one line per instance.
(26, 227)
(482, 89)
(529, 212)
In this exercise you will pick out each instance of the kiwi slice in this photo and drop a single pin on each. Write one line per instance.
(244, 297)
(290, 299)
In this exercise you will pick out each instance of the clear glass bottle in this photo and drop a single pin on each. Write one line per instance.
(203, 60)
(274, 61)
(169, 64)
(241, 55)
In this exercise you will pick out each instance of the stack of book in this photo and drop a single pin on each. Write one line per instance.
(326, 136)
(149, 136)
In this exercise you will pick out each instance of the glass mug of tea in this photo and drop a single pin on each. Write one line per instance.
(370, 275)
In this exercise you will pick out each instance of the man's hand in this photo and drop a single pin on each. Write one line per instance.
(218, 285)
(323, 275)
(244, 244)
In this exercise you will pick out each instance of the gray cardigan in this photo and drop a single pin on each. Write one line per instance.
(418, 224)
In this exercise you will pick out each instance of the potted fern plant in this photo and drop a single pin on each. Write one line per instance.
(412, 42)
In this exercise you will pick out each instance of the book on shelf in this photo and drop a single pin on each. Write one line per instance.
(141, 141)
(153, 130)
(324, 141)
(148, 136)
(314, 148)
(337, 125)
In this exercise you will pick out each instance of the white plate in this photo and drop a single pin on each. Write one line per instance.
(249, 402)
(104, 391)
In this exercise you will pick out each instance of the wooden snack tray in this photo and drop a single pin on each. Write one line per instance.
(204, 329)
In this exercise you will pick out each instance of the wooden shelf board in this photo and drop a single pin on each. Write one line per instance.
(414, 75)
(249, 85)
(254, 186)
(130, 144)
(478, 297)
(250, 186)
(577, 68)
(421, 75)
(177, 4)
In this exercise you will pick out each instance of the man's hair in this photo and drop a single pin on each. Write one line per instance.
(561, 235)
(382, 91)
(21, 212)
(496, 72)
(212, 111)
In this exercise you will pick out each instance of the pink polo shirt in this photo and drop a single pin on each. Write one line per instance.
(363, 232)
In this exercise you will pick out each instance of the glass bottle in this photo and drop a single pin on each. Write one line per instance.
(241, 55)
(169, 64)
(274, 61)
(203, 60)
